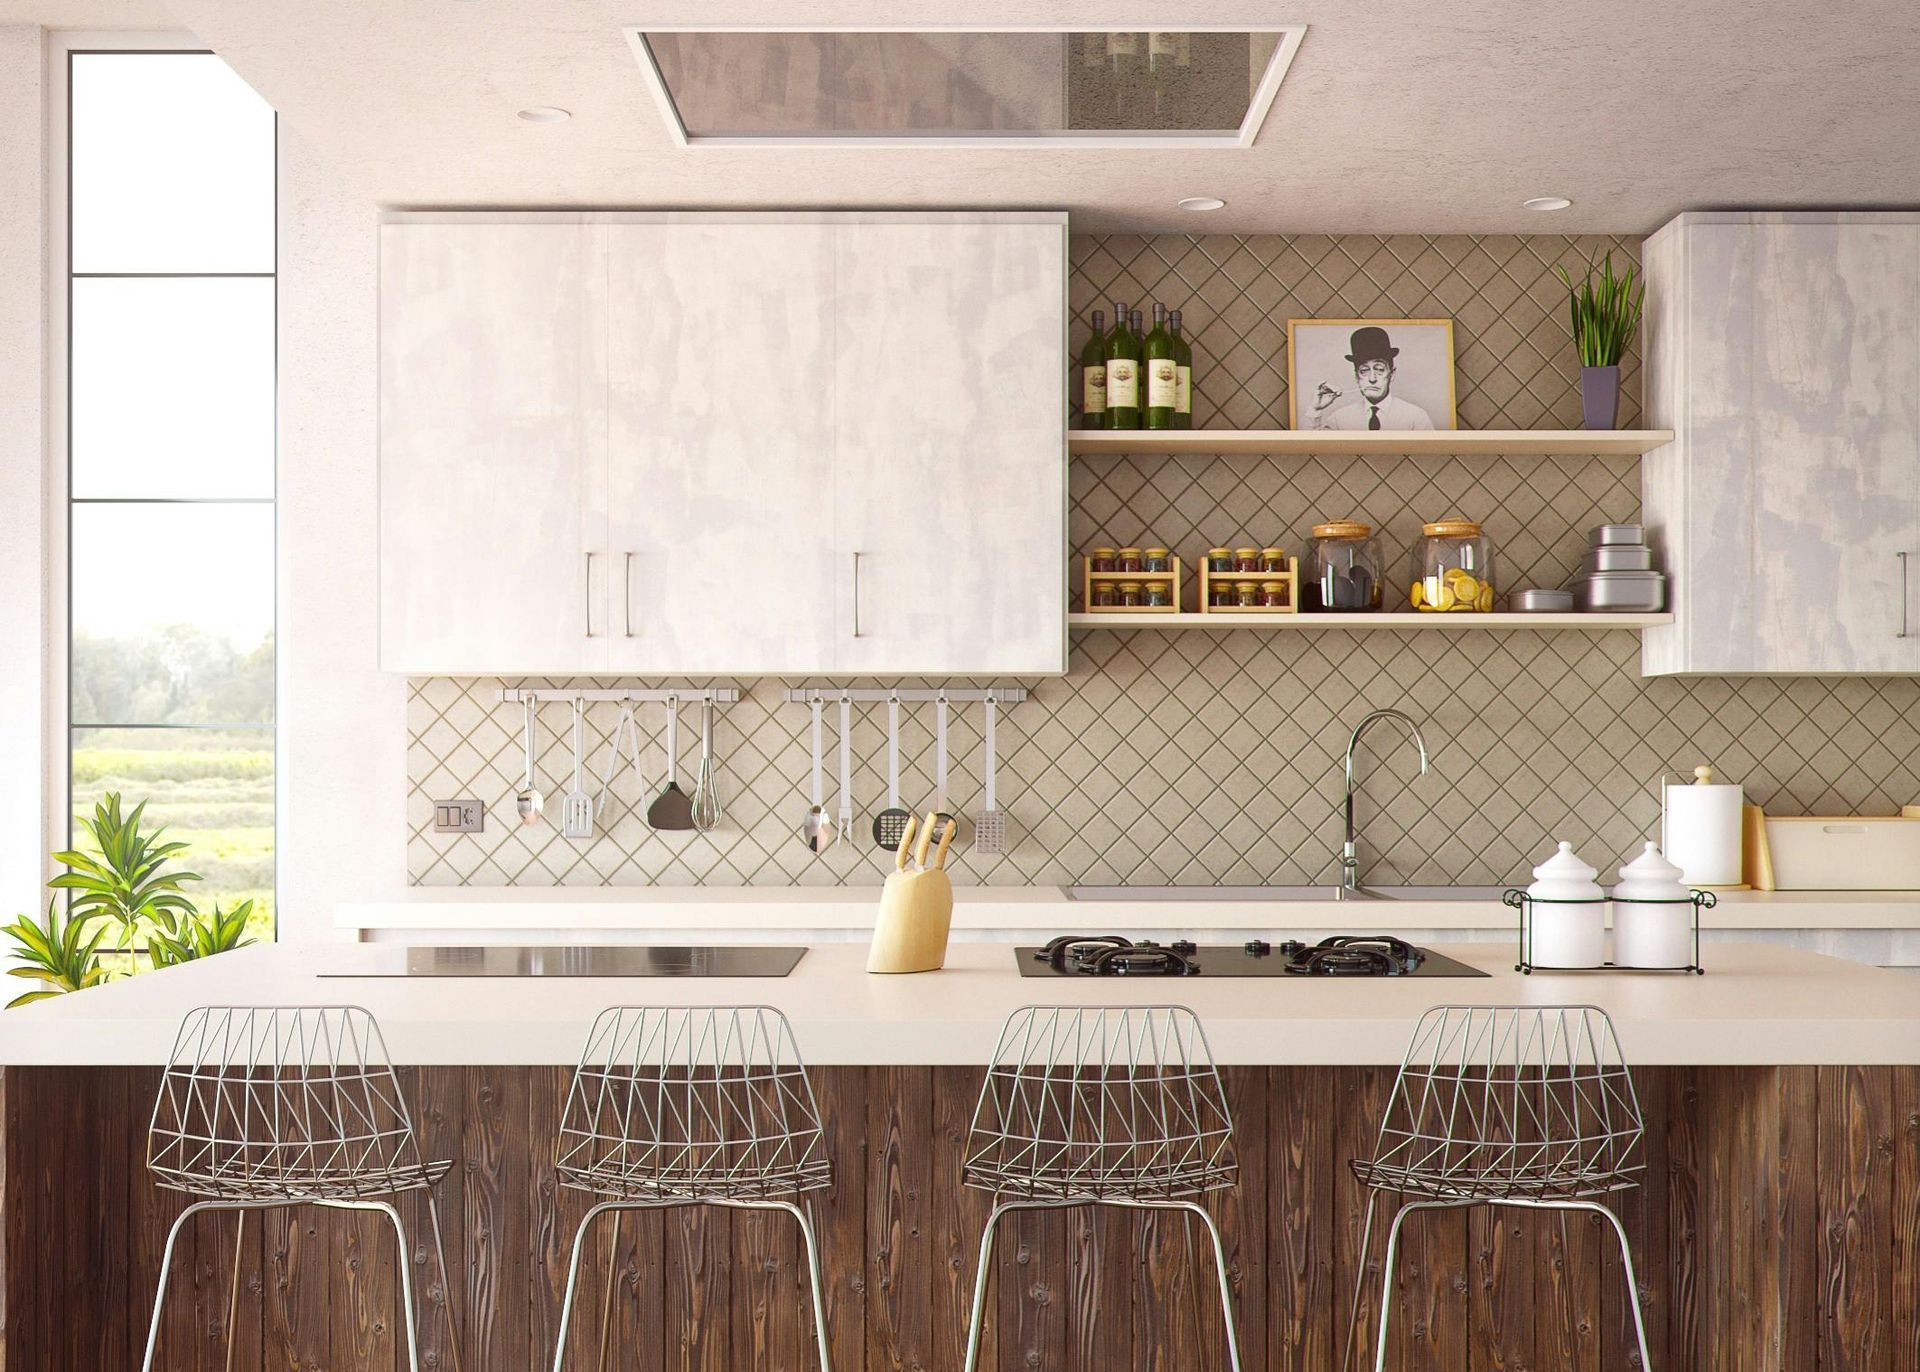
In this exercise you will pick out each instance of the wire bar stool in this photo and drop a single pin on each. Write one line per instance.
(1523, 1106)
(263, 1107)
(1101, 1105)
(702, 1105)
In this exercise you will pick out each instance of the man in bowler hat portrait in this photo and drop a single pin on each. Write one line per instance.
(1375, 406)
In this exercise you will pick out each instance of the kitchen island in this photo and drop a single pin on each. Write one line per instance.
(1778, 1225)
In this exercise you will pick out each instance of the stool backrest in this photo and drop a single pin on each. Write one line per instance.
(278, 1100)
(1538, 1096)
(1103, 1098)
(690, 1098)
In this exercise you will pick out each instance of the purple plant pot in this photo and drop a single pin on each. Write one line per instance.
(1599, 396)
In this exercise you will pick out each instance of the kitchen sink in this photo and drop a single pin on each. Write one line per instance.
(1282, 893)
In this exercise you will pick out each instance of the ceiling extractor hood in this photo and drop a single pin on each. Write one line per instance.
(1202, 86)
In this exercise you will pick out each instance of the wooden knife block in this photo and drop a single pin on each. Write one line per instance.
(916, 914)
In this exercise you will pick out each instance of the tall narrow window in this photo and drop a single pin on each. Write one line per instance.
(170, 442)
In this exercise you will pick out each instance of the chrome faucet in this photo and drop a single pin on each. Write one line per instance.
(1349, 858)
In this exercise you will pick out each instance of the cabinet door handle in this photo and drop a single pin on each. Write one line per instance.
(588, 579)
(856, 595)
(626, 592)
(1903, 597)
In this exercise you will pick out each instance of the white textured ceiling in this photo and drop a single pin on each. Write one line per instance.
(1409, 117)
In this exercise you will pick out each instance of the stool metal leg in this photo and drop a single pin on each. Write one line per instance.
(1626, 1258)
(166, 1267)
(573, 1271)
(446, 1277)
(233, 1290)
(1219, 1262)
(977, 1320)
(1359, 1280)
(813, 1272)
(1386, 1273)
(406, 1267)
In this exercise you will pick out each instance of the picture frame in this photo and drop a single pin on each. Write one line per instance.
(1408, 382)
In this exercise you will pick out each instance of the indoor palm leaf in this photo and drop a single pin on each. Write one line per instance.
(201, 936)
(56, 954)
(1606, 312)
(129, 878)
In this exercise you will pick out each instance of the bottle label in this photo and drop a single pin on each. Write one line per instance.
(1163, 383)
(1183, 390)
(1123, 384)
(1093, 390)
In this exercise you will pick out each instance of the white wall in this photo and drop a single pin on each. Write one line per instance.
(343, 736)
(23, 500)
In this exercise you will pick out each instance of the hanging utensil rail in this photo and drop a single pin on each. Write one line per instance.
(689, 695)
(1002, 695)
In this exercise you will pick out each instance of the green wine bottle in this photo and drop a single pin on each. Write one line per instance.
(1183, 374)
(1123, 372)
(1093, 375)
(1158, 361)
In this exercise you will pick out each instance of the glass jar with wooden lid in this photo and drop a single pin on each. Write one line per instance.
(1453, 569)
(1344, 571)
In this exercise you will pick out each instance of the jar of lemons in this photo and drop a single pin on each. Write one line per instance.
(1453, 569)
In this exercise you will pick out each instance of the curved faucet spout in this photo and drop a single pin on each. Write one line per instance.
(1349, 855)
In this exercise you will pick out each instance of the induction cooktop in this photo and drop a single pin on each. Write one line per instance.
(619, 960)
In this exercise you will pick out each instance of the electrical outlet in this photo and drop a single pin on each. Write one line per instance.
(459, 817)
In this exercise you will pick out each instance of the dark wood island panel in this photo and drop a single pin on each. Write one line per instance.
(1779, 1228)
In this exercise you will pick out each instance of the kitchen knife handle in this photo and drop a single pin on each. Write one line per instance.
(588, 579)
(1903, 597)
(626, 592)
(856, 595)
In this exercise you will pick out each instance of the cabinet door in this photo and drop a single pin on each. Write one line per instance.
(721, 447)
(492, 416)
(949, 421)
(1835, 427)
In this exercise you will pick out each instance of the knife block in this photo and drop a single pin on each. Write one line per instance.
(916, 914)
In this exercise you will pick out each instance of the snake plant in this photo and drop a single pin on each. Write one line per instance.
(59, 954)
(201, 936)
(1606, 311)
(129, 879)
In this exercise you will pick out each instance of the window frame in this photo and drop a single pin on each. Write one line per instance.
(62, 48)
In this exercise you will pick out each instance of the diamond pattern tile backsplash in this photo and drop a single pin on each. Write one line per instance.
(1202, 757)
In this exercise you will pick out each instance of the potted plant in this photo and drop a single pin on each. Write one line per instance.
(1606, 312)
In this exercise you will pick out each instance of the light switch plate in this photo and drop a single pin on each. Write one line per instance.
(459, 817)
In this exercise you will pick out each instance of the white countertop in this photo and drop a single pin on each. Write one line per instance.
(706, 910)
(1757, 1005)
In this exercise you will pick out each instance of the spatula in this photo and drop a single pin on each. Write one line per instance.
(990, 829)
(576, 807)
(672, 808)
(891, 823)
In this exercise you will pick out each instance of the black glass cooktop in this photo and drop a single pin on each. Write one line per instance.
(625, 960)
(1343, 955)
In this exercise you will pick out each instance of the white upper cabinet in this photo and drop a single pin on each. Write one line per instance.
(949, 419)
(1784, 352)
(724, 444)
(492, 430)
(721, 517)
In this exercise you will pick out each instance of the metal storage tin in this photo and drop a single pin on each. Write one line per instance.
(1541, 600)
(1604, 534)
(1623, 592)
(1618, 557)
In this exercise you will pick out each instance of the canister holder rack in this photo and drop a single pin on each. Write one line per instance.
(1519, 900)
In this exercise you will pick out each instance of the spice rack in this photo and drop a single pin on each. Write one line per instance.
(1170, 579)
(1290, 579)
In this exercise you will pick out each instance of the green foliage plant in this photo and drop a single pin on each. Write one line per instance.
(130, 880)
(59, 954)
(1605, 310)
(201, 936)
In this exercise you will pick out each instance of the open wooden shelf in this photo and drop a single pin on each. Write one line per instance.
(1411, 619)
(1386, 442)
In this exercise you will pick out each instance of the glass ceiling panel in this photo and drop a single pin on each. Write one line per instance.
(961, 85)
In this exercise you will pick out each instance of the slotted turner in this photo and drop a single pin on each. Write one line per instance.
(576, 807)
(990, 829)
(673, 807)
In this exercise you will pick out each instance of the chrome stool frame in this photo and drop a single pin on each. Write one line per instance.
(265, 1107)
(702, 1105)
(1101, 1105)
(1529, 1107)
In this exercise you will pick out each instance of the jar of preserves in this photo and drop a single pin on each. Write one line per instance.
(1219, 559)
(1453, 568)
(1102, 560)
(1343, 569)
(1273, 595)
(1128, 560)
(1159, 595)
(1246, 559)
(1247, 595)
(1273, 559)
(1220, 593)
(1105, 595)
(1157, 560)
(1130, 593)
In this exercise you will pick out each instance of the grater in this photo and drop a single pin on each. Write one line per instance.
(990, 829)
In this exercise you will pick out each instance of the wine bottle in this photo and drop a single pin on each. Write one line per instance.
(1158, 361)
(1093, 375)
(1123, 371)
(1183, 374)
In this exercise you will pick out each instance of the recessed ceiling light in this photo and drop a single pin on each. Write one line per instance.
(1545, 203)
(545, 114)
(1197, 203)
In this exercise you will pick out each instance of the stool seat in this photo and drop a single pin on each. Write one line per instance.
(310, 1186)
(667, 1187)
(1571, 1182)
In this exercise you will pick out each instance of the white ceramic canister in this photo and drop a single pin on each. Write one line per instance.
(1567, 913)
(1700, 829)
(1652, 914)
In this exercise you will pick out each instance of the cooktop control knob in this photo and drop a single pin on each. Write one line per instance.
(1259, 947)
(1184, 947)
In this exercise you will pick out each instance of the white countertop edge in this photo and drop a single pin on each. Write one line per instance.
(1032, 908)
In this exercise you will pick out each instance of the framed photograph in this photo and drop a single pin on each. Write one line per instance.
(1370, 374)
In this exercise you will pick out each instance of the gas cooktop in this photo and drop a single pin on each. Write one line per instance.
(1343, 955)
